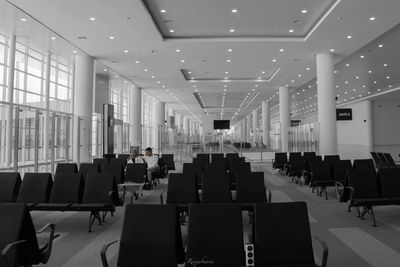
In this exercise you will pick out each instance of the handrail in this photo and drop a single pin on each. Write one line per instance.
(238, 153)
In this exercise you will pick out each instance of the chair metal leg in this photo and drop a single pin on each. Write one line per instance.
(93, 216)
(371, 211)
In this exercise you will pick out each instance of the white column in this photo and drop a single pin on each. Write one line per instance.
(284, 116)
(186, 129)
(171, 113)
(158, 119)
(265, 122)
(248, 126)
(244, 131)
(326, 105)
(370, 125)
(255, 125)
(135, 117)
(180, 121)
(10, 100)
(83, 108)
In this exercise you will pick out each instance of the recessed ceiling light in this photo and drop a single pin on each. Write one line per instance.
(263, 72)
(146, 70)
(347, 65)
(281, 50)
(92, 19)
(362, 56)
(194, 86)
(152, 76)
(53, 38)
(171, 30)
(388, 77)
(178, 50)
(307, 68)
(225, 85)
(234, 10)
(228, 60)
(126, 51)
(105, 69)
(23, 19)
(232, 30)
(111, 37)
(226, 72)
(137, 61)
(182, 61)
(189, 72)
(229, 50)
(116, 76)
(357, 77)
(304, 11)
(380, 46)
(274, 60)
(75, 52)
(291, 30)
(385, 65)
(372, 18)
(370, 71)
(349, 37)
(163, 10)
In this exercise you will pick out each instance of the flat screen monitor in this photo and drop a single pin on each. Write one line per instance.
(221, 124)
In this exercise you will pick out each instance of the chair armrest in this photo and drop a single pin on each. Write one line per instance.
(5, 253)
(103, 253)
(337, 183)
(324, 249)
(269, 195)
(46, 249)
(162, 196)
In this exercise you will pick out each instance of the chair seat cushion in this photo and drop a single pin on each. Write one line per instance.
(52, 206)
(92, 207)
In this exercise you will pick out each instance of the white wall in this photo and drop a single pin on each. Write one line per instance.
(387, 127)
(355, 137)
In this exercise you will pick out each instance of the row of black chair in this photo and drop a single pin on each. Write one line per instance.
(151, 236)
(214, 157)
(366, 189)
(68, 192)
(183, 190)
(241, 145)
(384, 160)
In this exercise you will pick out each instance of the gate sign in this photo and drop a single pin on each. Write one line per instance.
(344, 114)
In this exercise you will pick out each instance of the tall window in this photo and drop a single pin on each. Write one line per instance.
(119, 96)
(3, 69)
(60, 83)
(147, 119)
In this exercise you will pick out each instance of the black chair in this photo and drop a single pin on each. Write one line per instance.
(86, 168)
(151, 236)
(238, 167)
(196, 169)
(108, 157)
(293, 155)
(230, 156)
(339, 171)
(123, 156)
(117, 169)
(389, 184)
(136, 175)
(217, 157)
(321, 177)
(10, 183)
(216, 166)
(307, 171)
(181, 191)
(18, 243)
(97, 196)
(35, 188)
(169, 161)
(384, 162)
(67, 190)
(235, 161)
(390, 161)
(250, 189)
(295, 168)
(364, 164)
(204, 158)
(121, 161)
(216, 188)
(331, 158)
(100, 161)
(66, 167)
(363, 191)
(280, 161)
(282, 236)
(215, 234)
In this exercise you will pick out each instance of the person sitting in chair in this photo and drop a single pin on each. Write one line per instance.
(135, 158)
(152, 162)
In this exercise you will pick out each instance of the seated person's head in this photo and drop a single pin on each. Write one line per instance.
(149, 152)
(133, 153)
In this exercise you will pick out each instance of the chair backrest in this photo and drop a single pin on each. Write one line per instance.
(389, 182)
(364, 164)
(250, 188)
(280, 158)
(230, 156)
(10, 183)
(168, 159)
(98, 187)
(182, 189)
(192, 168)
(296, 164)
(17, 225)
(239, 167)
(308, 161)
(282, 235)
(99, 161)
(331, 158)
(293, 155)
(217, 157)
(308, 155)
(66, 167)
(136, 172)
(378, 162)
(389, 159)
(117, 169)
(215, 234)
(364, 183)
(205, 158)
(340, 168)
(67, 188)
(151, 236)
(124, 156)
(108, 157)
(35, 188)
(216, 166)
(118, 161)
(216, 188)
(383, 159)
(86, 168)
(321, 170)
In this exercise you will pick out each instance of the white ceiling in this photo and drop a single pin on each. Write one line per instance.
(201, 34)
